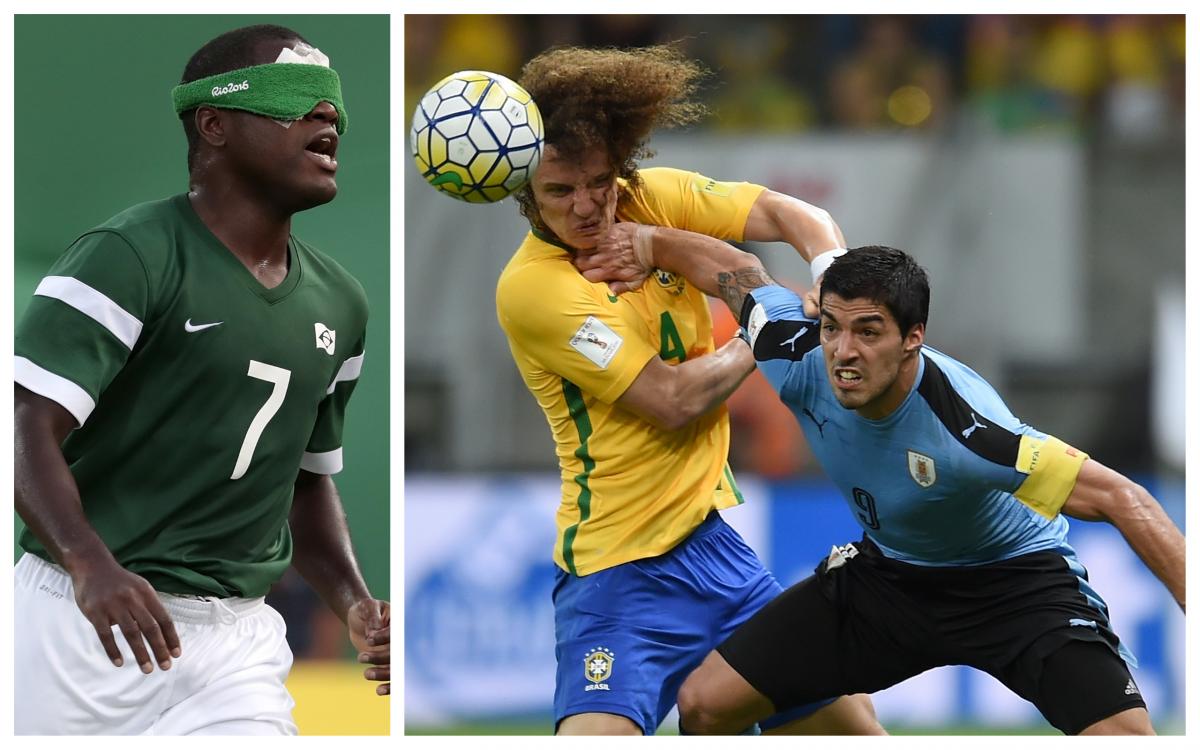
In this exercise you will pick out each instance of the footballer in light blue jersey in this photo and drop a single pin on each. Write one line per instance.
(964, 557)
(933, 482)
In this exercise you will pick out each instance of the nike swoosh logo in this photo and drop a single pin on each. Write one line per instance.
(187, 326)
(445, 177)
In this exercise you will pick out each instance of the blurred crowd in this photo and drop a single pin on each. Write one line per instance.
(1116, 75)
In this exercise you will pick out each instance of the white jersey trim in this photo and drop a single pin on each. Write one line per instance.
(329, 462)
(58, 389)
(350, 370)
(94, 304)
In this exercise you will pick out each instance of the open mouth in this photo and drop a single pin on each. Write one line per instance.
(323, 148)
(846, 378)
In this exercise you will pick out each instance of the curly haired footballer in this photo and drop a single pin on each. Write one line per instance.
(631, 387)
(613, 97)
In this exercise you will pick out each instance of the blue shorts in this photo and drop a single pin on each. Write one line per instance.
(627, 636)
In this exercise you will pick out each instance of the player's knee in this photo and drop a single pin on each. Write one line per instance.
(699, 711)
(860, 715)
(597, 724)
(1142, 729)
(1134, 721)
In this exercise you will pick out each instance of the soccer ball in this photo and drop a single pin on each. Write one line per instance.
(476, 136)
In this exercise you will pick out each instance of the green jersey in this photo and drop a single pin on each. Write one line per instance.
(199, 393)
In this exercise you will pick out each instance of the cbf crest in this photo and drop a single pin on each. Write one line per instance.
(673, 283)
(922, 469)
(597, 667)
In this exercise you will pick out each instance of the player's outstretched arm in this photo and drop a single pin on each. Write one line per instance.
(1101, 494)
(629, 252)
(47, 499)
(323, 555)
(671, 396)
(776, 217)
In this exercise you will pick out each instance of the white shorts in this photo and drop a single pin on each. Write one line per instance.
(229, 680)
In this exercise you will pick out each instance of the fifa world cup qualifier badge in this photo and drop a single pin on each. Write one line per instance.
(597, 667)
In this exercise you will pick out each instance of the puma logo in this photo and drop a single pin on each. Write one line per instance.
(820, 425)
(967, 432)
(792, 341)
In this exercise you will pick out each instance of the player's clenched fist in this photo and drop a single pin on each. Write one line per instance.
(369, 622)
(108, 595)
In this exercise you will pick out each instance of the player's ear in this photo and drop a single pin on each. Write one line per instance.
(914, 338)
(210, 125)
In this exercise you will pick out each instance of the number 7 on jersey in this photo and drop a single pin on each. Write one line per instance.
(279, 378)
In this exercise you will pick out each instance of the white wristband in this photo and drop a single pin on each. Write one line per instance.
(821, 263)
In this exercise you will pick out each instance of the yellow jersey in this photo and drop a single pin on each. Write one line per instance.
(629, 489)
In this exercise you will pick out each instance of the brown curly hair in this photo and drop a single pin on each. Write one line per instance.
(610, 97)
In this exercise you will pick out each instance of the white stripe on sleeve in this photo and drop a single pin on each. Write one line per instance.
(54, 387)
(350, 370)
(329, 462)
(94, 304)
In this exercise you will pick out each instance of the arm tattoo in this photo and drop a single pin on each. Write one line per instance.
(733, 287)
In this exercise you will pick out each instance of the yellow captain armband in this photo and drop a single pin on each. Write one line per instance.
(1052, 466)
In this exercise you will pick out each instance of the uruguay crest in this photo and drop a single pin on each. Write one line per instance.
(597, 667)
(922, 469)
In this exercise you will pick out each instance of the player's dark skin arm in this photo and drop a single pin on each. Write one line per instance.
(1101, 494)
(323, 555)
(47, 499)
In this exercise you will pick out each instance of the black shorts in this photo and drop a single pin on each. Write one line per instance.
(872, 622)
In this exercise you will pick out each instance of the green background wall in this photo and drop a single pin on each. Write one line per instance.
(95, 133)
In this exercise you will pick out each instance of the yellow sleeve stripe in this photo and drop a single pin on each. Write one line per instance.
(1052, 466)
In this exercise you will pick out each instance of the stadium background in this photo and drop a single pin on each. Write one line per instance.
(97, 134)
(1033, 164)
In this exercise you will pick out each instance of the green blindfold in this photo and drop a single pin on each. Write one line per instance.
(281, 91)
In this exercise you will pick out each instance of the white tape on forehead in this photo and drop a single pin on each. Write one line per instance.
(302, 54)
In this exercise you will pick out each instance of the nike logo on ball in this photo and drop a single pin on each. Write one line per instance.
(447, 177)
(187, 326)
